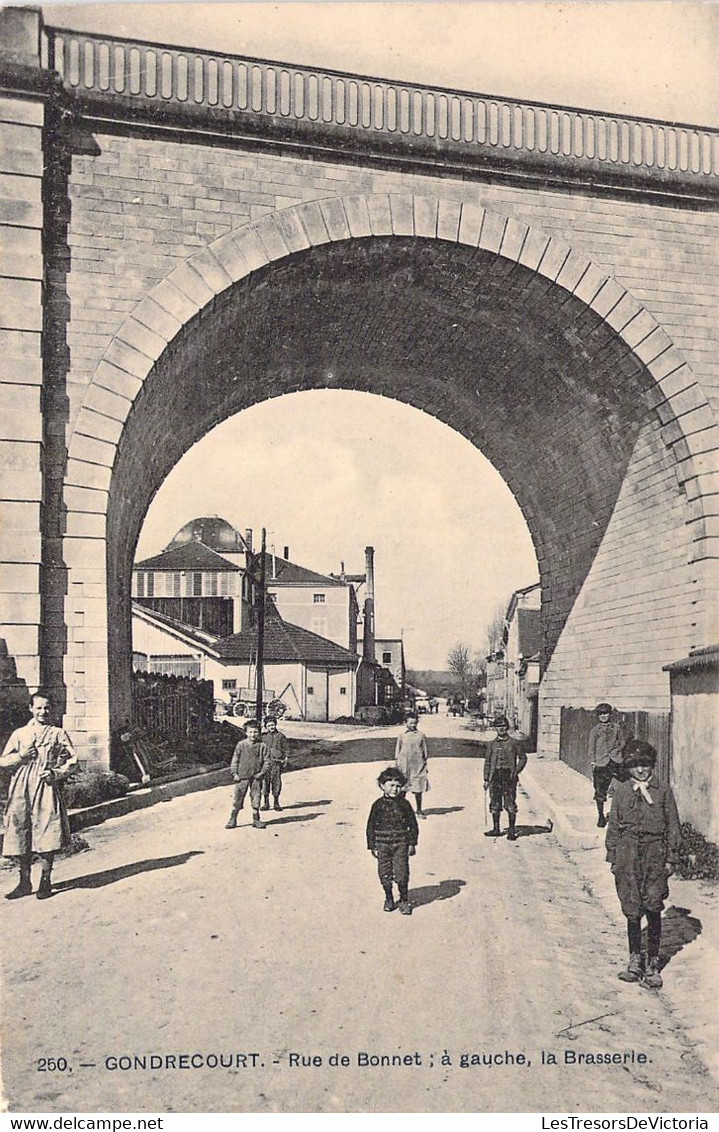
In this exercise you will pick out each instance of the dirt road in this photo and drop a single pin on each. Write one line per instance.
(183, 945)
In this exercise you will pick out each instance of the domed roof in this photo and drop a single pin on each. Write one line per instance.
(213, 532)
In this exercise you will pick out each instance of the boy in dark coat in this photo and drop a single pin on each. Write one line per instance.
(249, 767)
(643, 838)
(503, 763)
(392, 835)
(278, 747)
(606, 741)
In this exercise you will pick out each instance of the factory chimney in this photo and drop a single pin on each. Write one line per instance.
(368, 640)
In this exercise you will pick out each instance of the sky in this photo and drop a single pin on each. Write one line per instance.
(450, 541)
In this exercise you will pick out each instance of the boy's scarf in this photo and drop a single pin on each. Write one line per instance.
(643, 788)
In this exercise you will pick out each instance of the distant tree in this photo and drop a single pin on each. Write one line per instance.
(461, 664)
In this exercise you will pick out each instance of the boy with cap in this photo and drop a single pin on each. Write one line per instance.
(392, 835)
(277, 745)
(249, 767)
(503, 763)
(605, 756)
(642, 841)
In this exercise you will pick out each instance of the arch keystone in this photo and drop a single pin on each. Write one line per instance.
(402, 214)
(358, 216)
(448, 217)
(380, 216)
(470, 224)
(425, 216)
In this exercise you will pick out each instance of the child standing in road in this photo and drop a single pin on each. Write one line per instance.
(410, 755)
(642, 841)
(392, 835)
(503, 763)
(41, 756)
(249, 767)
(605, 756)
(278, 747)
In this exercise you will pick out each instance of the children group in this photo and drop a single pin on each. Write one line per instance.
(642, 839)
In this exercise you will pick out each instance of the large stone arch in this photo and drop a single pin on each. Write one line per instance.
(552, 304)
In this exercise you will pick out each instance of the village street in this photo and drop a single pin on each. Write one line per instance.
(184, 945)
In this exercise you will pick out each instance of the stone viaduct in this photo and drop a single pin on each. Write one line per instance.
(186, 233)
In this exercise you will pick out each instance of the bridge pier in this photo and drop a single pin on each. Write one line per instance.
(23, 552)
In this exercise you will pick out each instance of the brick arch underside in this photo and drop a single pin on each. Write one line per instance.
(532, 376)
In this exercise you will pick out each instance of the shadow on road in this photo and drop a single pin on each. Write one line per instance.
(307, 805)
(292, 818)
(437, 811)
(531, 830)
(678, 929)
(428, 893)
(111, 876)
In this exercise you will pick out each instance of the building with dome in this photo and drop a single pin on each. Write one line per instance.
(194, 607)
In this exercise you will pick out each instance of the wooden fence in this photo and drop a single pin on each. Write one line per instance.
(173, 706)
(576, 723)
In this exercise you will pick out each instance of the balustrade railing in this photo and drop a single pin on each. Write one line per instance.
(92, 64)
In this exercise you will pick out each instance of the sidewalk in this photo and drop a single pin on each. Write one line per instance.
(553, 790)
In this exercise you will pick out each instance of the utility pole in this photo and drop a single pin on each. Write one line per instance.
(261, 631)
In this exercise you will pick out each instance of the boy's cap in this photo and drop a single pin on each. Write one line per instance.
(270, 719)
(603, 709)
(500, 721)
(638, 753)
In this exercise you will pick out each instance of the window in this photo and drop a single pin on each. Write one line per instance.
(318, 599)
(228, 685)
(386, 657)
(211, 587)
(343, 691)
(197, 585)
(150, 585)
(310, 691)
(140, 585)
(272, 597)
(176, 585)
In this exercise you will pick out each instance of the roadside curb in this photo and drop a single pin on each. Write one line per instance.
(568, 832)
(147, 796)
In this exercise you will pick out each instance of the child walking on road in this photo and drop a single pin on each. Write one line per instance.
(249, 767)
(278, 747)
(503, 763)
(41, 757)
(642, 841)
(606, 741)
(392, 835)
(411, 758)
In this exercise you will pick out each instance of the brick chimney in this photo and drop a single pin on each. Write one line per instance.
(368, 638)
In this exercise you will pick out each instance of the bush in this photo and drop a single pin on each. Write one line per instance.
(698, 858)
(92, 786)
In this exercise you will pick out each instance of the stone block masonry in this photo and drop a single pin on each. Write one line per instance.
(21, 420)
